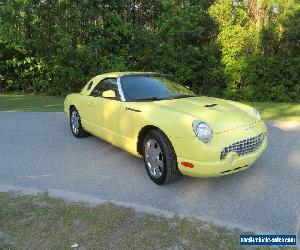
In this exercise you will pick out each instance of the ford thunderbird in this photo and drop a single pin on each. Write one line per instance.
(174, 130)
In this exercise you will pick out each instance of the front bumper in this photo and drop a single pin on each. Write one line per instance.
(206, 157)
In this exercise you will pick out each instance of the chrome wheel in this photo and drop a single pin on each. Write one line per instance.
(75, 122)
(154, 158)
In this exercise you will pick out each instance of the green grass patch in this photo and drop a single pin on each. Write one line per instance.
(31, 103)
(41, 222)
(278, 111)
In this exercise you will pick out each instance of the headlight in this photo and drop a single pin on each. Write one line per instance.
(202, 131)
(257, 114)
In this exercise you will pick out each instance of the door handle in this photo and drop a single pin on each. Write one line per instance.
(89, 104)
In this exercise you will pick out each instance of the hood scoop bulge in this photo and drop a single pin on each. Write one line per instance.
(210, 105)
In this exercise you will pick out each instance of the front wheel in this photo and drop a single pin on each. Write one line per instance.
(75, 124)
(160, 158)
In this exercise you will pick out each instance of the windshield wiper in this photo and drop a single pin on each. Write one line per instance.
(183, 96)
(154, 98)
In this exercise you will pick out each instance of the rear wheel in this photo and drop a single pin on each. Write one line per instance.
(75, 124)
(160, 158)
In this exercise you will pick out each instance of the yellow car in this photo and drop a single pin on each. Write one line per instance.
(174, 130)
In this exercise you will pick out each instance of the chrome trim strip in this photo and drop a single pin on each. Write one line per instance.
(120, 89)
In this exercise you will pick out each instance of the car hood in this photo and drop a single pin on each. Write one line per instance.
(221, 115)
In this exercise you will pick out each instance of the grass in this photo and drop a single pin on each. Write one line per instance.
(41, 222)
(13, 102)
(31, 103)
(278, 111)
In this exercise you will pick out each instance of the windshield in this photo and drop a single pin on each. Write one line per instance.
(152, 88)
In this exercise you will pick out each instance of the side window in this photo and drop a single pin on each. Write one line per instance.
(106, 84)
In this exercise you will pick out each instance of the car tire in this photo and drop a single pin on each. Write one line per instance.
(75, 124)
(160, 158)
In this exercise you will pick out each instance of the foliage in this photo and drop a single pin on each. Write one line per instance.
(259, 40)
(239, 49)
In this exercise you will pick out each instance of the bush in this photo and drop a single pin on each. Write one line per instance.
(221, 48)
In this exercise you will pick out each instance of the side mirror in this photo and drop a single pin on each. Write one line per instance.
(109, 94)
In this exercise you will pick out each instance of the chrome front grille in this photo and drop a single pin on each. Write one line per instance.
(244, 147)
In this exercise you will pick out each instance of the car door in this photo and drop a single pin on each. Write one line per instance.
(105, 113)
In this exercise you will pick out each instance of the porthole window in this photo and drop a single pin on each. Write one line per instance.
(89, 85)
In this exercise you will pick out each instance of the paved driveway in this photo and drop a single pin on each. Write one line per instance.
(37, 150)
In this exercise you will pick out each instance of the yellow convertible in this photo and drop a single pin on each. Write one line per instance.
(174, 130)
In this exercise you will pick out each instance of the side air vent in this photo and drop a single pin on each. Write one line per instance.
(210, 105)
